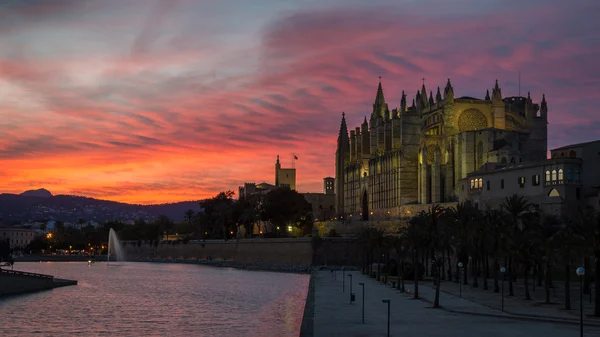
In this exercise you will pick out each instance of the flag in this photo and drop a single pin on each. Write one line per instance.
(295, 157)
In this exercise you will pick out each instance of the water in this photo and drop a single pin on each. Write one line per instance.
(114, 246)
(151, 299)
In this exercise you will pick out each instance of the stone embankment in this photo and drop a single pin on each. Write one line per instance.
(13, 282)
(246, 266)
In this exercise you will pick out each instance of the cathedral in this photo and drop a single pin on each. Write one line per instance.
(416, 155)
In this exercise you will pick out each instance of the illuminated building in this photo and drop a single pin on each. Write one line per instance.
(400, 160)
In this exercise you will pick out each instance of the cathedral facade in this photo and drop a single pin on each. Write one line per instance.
(416, 155)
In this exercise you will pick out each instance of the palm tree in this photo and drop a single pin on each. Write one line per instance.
(566, 241)
(435, 240)
(496, 240)
(189, 215)
(460, 226)
(515, 207)
(414, 237)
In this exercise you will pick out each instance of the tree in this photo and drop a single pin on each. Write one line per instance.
(189, 215)
(515, 207)
(219, 213)
(285, 207)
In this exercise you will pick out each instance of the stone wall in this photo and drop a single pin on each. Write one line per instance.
(296, 252)
(283, 251)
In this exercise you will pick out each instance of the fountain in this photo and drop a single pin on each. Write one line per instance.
(113, 242)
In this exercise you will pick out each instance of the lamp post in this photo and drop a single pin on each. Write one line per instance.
(351, 294)
(580, 272)
(388, 321)
(363, 301)
(502, 271)
(460, 265)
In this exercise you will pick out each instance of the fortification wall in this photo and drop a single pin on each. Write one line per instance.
(292, 252)
(297, 252)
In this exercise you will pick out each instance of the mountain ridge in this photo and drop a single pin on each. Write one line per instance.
(70, 208)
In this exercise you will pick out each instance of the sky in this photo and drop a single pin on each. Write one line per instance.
(151, 101)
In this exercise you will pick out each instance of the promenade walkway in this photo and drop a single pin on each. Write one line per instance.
(335, 316)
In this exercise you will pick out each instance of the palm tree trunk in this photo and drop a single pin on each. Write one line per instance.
(511, 291)
(436, 302)
(597, 283)
(496, 271)
(587, 276)
(443, 266)
(474, 272)
(526, 283)
(427, 270)
(547, 282)
(402, 289)
(416, 272)
(486, 272)
(567, 286)
(450, 266)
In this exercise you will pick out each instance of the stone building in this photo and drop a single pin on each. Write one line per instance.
(17, 237)
(416, 155)
(558, 185)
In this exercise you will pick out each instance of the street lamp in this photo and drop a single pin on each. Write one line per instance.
(388, 322)
(580, 272)
(460, 265)
(363, 301)
(502, 271)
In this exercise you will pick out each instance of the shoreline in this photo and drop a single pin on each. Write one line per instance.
(295, 269)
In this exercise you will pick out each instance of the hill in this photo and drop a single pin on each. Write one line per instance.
(40, 193)
(38, 206)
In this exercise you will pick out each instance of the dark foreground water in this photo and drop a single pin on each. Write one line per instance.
(147, 299)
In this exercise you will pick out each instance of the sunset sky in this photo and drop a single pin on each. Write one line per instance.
(152, 101)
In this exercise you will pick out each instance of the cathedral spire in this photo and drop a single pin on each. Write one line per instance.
(544, 105)
(403, 102)
(431, 102)
(380, 108)
(438, 96)
(448, 91)
(497, 94)
(277, 159)
(487, 95)
(379, 99)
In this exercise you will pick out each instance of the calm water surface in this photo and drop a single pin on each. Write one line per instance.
(147, 299)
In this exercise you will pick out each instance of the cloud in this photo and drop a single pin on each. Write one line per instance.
(172, 101)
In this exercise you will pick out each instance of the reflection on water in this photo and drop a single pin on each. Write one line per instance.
(147, 299)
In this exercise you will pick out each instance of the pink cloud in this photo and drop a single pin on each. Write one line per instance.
(171, 116)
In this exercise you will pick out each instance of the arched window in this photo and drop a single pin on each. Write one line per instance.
(576, 176)
(553, 175)
(560, 174)
(573, 154)
(503, 160)
(553, 193)
(555, 155)
(512, 160)
(547, 176)
(472, 183)
(570, 174)
(480, 183)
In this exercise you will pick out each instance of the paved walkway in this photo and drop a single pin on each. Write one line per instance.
(477, 300)
(335, 316)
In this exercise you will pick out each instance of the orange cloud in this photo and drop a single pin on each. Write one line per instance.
(169, 103)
